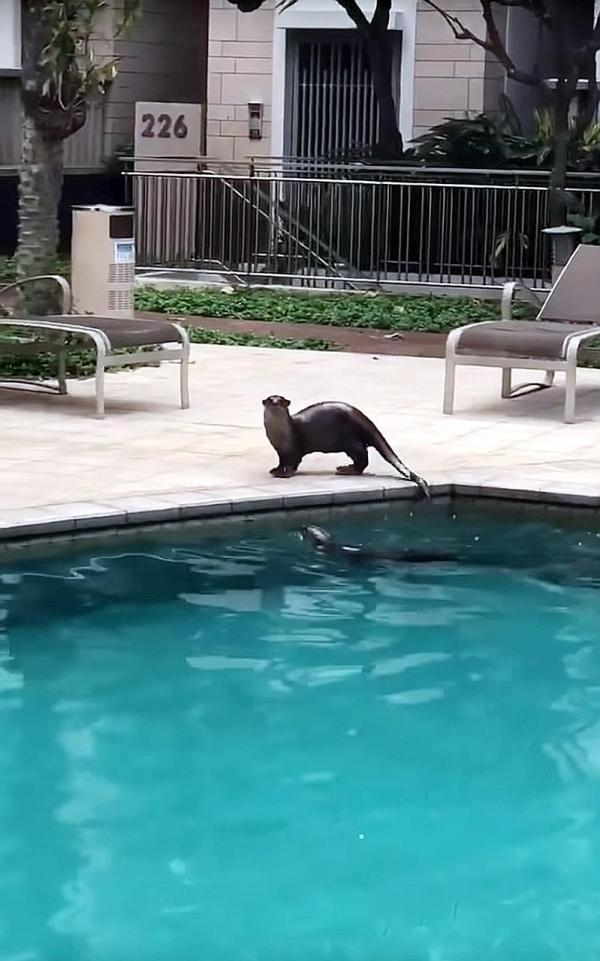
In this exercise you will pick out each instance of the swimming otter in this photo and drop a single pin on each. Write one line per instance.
(324, 542)
(328, 427)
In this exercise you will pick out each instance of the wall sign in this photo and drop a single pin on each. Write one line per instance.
(168, 131)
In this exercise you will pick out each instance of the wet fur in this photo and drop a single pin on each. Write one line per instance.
(325, 543)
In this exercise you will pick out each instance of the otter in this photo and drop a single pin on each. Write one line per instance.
(324, 542)
(328, 427)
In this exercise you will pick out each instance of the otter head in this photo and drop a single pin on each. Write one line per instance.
(276, 403)
(317, 536)
(276, 416)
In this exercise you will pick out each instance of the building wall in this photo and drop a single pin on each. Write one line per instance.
(246, 62)
(10, 120)
(82, 152)
(10, 34)
(521, 38)
(162, 58)
(245, 54)
(240, 71)
(451, 76)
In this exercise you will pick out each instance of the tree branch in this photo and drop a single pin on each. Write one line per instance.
(492, 43)
(355, 13)
(381, 18)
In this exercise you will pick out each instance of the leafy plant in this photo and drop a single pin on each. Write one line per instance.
(198, 335)
(81, 362)
(588, 220)
(382, 311)
(583, 150)
(68, 69)
(60, 74)
(504, 241)
(491, 139)
(495, 139)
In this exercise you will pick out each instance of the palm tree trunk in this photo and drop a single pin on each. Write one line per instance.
(40, 172)
(40, 187)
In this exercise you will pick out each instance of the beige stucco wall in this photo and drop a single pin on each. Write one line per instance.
(240, 68)
(451, 76)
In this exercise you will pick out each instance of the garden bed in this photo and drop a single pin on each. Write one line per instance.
(382, 312)
(362, 323)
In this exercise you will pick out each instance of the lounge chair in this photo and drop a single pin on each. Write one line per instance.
(117, 342)
(569, 318)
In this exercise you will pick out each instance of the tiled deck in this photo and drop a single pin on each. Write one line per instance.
(63, 469)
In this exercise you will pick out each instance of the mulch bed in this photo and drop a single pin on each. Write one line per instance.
(365, 341)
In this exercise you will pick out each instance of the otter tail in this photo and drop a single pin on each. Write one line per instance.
(382, 447)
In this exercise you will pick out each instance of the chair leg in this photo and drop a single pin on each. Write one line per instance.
(184, 366)
(506, 382)
(449, 384)
(100, 373)
(62, 371)
(570, 393)
(184, 377)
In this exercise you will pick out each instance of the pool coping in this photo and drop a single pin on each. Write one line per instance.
(127, 513)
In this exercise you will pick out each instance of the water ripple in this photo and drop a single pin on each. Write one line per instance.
(217, 748)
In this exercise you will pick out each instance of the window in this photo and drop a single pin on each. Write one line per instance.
(10, 34)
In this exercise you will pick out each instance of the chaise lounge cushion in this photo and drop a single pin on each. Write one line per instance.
(543, 340)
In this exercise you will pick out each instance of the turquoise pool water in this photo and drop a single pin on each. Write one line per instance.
(234, 750)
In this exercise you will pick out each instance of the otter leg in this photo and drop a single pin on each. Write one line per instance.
(285, 468)
(284, 471)
(359, 455)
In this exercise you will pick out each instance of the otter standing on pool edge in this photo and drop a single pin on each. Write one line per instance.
(329, 427)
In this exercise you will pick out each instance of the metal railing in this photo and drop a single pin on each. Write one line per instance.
(367, 169)
(346, 232)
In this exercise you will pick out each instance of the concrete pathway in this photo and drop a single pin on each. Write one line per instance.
(148, 458)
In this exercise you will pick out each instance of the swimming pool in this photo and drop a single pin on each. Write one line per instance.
(229, 748)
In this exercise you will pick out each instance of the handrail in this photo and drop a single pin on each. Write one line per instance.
(310, 251)
(283, 178)
(269, 164)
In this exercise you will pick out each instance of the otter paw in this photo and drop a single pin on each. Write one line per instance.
(347, 469)
(281, 472)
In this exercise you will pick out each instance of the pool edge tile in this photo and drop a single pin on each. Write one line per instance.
(317, 498)
(146, 510)
(44, 527)
(124, 515)
(357, 495)
(206, 508)
(101, 521)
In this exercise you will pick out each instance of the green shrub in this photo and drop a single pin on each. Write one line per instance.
(384, 311)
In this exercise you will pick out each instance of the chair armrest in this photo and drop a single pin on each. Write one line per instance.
(65, 290)
(509, 295)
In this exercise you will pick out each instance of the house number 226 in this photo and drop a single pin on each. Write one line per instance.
(167, 127)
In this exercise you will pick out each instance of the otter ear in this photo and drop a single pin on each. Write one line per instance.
(285, 402)
(265, 402)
